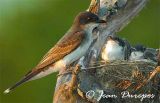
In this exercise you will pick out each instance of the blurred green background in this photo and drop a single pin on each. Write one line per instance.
(29, 28)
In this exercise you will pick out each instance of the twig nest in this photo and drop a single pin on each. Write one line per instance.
(123, 72)
(136, 77)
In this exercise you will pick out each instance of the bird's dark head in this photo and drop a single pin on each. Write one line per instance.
(115, 40)
(140, 47)
(84, 18)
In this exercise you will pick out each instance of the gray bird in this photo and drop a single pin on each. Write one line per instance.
(151, 54)
(137, 52)
(115, 49)
(71, 47)
(140, 52)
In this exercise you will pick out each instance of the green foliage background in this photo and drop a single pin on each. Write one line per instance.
(29, 28)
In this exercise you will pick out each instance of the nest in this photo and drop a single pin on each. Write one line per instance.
(138, 78)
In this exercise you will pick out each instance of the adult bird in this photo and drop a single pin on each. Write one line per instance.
(71, 47)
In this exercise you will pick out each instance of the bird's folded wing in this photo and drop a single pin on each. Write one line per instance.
(65, 46)
(61, 49)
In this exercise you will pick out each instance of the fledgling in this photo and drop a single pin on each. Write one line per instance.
(140, 52)
(137, 52)
(151, 54)
(71, 47)
(115, 49)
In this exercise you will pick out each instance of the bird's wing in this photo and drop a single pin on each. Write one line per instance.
(65, 46)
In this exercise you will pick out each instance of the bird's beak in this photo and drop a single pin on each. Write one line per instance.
(101, 21)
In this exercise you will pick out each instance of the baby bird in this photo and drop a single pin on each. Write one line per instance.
(115, 49)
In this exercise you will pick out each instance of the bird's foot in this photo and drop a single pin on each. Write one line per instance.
(65, 72)
(71, 70)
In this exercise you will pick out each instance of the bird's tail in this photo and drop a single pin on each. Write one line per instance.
(27, 77)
